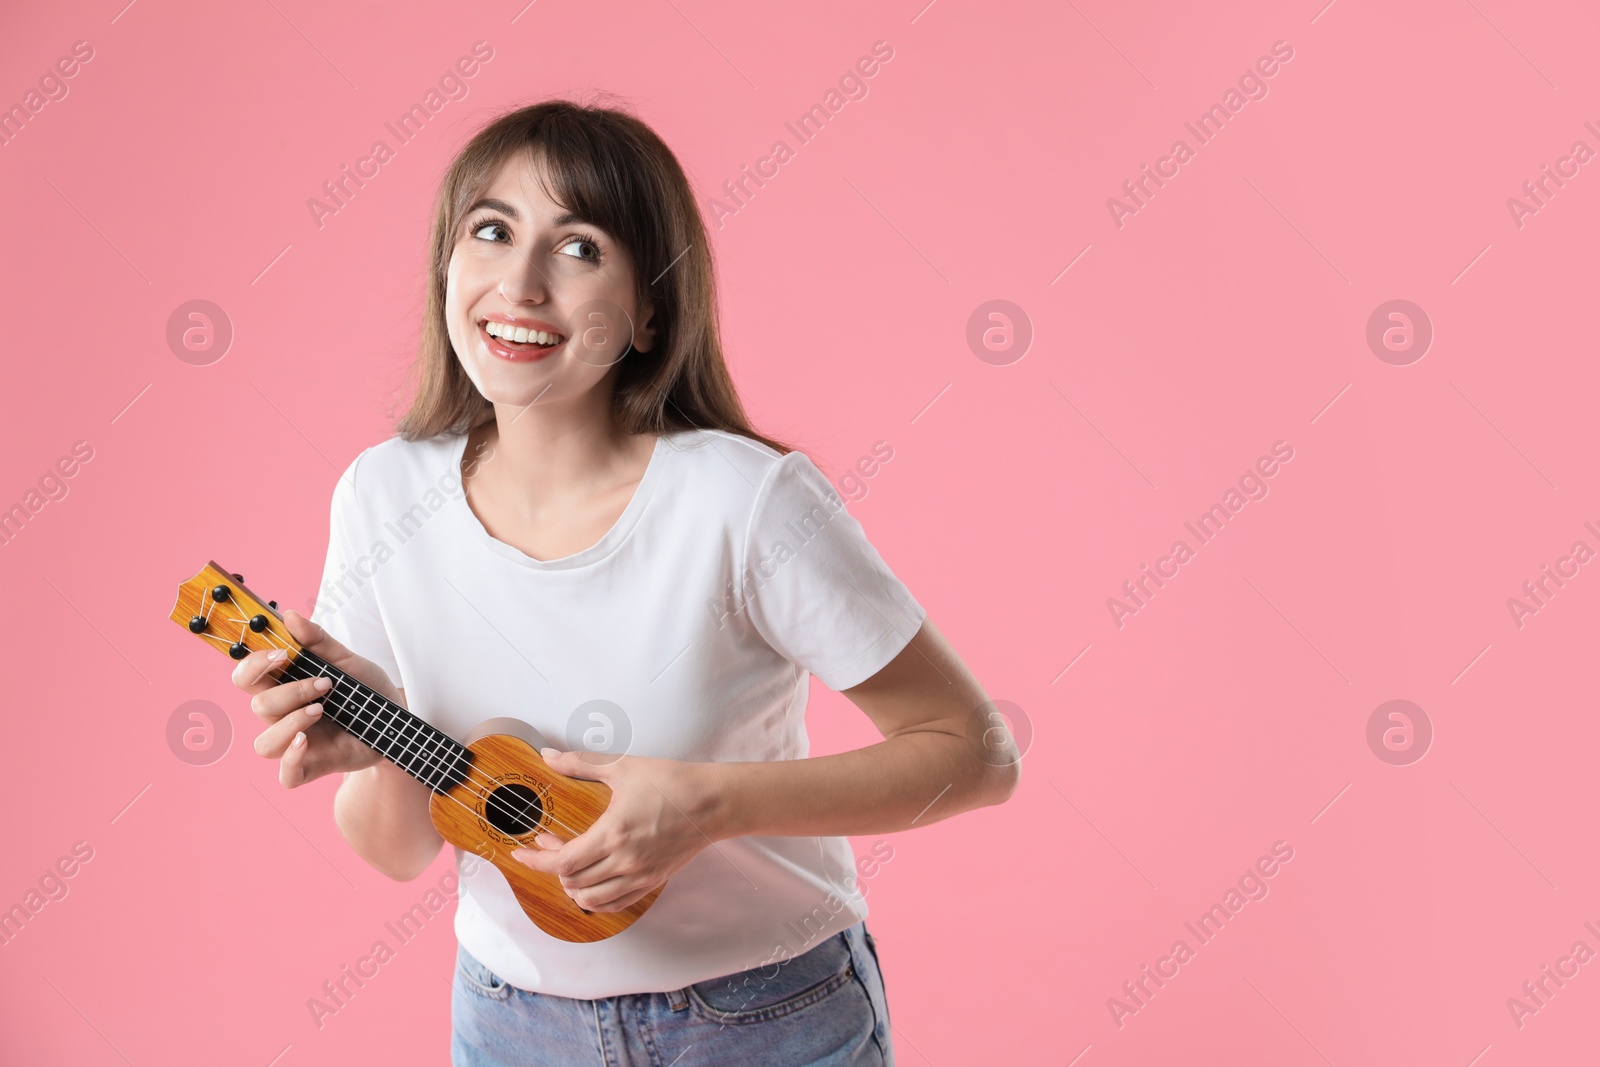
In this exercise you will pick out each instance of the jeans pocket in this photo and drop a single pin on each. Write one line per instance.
(777, 989)
(478, 979)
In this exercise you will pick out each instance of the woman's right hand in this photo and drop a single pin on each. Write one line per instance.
(305, 746)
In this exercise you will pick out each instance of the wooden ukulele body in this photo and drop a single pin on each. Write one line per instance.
(506, 766)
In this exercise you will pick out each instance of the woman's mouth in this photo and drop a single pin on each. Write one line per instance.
(519, 344)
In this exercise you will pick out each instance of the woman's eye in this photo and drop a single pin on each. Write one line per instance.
(488, 231)
(581, 247)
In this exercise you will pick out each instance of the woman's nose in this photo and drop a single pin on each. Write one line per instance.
(523, 282)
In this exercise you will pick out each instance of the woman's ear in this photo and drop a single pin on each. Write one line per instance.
(644, 333)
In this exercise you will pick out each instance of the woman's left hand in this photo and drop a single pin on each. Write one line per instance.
(646, 834)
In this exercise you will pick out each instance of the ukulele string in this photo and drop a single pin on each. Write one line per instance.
(432, 761)
(428, 760)
(470, 782)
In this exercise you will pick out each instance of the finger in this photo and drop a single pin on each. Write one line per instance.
(269, 705)
(611, 895)
(250, 673)
(292, 768)
(275, 741)
(598, 767)
(542, 860)
(579, 854)
(596, 873)
(565, 861)
(627, 900)
(585, 879)
(312, 637)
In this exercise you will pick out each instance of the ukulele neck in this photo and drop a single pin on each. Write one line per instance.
(430, 756)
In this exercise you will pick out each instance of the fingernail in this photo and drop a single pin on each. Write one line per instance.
(300, 740)
(313, 710)
(277, 654)
(549, 753)
(322, 685)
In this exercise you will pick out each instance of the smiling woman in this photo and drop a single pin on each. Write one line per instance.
(570, 331)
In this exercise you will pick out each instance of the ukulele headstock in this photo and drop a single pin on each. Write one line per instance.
(217, 606)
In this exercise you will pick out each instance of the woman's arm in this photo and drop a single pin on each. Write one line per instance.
(939, 757)
(381, 810)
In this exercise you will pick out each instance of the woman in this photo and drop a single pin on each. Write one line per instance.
(576, 526)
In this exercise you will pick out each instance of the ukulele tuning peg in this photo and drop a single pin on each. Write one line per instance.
(238, 651)
(273, 604)
(220, 593)
(258, 623)
(197, 625)
(239, 578)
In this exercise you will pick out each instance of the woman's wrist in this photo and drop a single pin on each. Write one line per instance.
(715, 808)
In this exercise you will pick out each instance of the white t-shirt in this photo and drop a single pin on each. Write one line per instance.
(687, 632)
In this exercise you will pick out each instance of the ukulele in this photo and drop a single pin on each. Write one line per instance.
(491, 794)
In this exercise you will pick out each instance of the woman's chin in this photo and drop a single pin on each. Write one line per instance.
(510, 383)
(515, 398)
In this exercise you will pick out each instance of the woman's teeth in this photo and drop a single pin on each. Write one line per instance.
(519, 334)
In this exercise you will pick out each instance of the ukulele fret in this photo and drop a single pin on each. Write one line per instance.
(422, 761)
(407, 753)
(391, 723)
(414, 758)
(357, 710)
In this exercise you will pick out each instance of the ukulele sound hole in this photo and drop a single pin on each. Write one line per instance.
(514, 809)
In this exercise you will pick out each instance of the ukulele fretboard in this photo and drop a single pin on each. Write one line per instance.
(430, 756)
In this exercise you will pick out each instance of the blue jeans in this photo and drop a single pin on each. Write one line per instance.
(824, 1008)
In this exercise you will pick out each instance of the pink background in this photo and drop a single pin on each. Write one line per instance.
(1229, 313)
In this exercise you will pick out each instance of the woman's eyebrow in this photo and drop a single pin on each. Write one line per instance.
(512, 213)
(496, 205)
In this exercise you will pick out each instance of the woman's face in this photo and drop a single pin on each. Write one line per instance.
(523, 268)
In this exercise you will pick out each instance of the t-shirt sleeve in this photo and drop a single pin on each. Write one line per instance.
(814, 587)
(347, 606)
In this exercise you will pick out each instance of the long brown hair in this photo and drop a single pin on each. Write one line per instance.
(614, 172)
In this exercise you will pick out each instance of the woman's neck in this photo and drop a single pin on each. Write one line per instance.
(543, 456)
